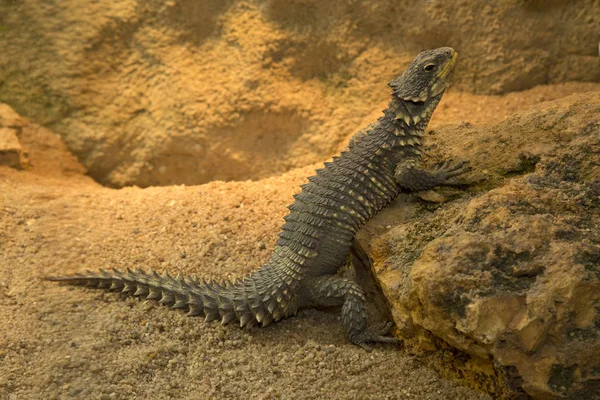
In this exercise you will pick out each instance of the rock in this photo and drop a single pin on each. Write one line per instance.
(10, 148)
(9, 118)
(11, 152)
(27, 145)
(187, 92)
(511, 276)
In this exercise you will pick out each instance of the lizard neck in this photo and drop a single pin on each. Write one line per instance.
(404, 123)
(412, 117)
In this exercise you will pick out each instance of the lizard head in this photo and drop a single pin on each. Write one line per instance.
(427, 76)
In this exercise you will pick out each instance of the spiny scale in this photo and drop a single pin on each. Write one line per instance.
(205, 298)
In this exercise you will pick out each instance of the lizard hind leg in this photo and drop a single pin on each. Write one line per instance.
(331, 291)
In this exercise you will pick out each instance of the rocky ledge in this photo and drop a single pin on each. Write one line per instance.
(505, 278)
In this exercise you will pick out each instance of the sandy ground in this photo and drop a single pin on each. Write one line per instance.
(63, 342)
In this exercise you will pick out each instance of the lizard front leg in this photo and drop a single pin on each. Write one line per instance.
(411, 176)
(331, 291)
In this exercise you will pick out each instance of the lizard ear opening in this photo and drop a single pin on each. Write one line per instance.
(407, 91)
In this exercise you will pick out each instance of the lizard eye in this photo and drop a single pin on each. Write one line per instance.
(429, 67)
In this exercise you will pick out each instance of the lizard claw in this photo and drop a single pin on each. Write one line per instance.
(448, 169)
(375, 334)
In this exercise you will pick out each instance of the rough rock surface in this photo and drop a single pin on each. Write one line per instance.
(181, 91)
(11, 151)
(510, 276)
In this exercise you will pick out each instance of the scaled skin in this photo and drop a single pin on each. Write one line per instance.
(317, 237)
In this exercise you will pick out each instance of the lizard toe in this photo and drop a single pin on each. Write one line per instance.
(376, 334)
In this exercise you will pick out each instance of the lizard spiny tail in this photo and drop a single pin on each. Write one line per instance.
(260, 297)
(318, 233)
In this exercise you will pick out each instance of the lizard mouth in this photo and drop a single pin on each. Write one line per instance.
(449, 68)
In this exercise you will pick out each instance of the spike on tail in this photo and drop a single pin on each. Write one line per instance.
(254, 299)
(147, 284)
